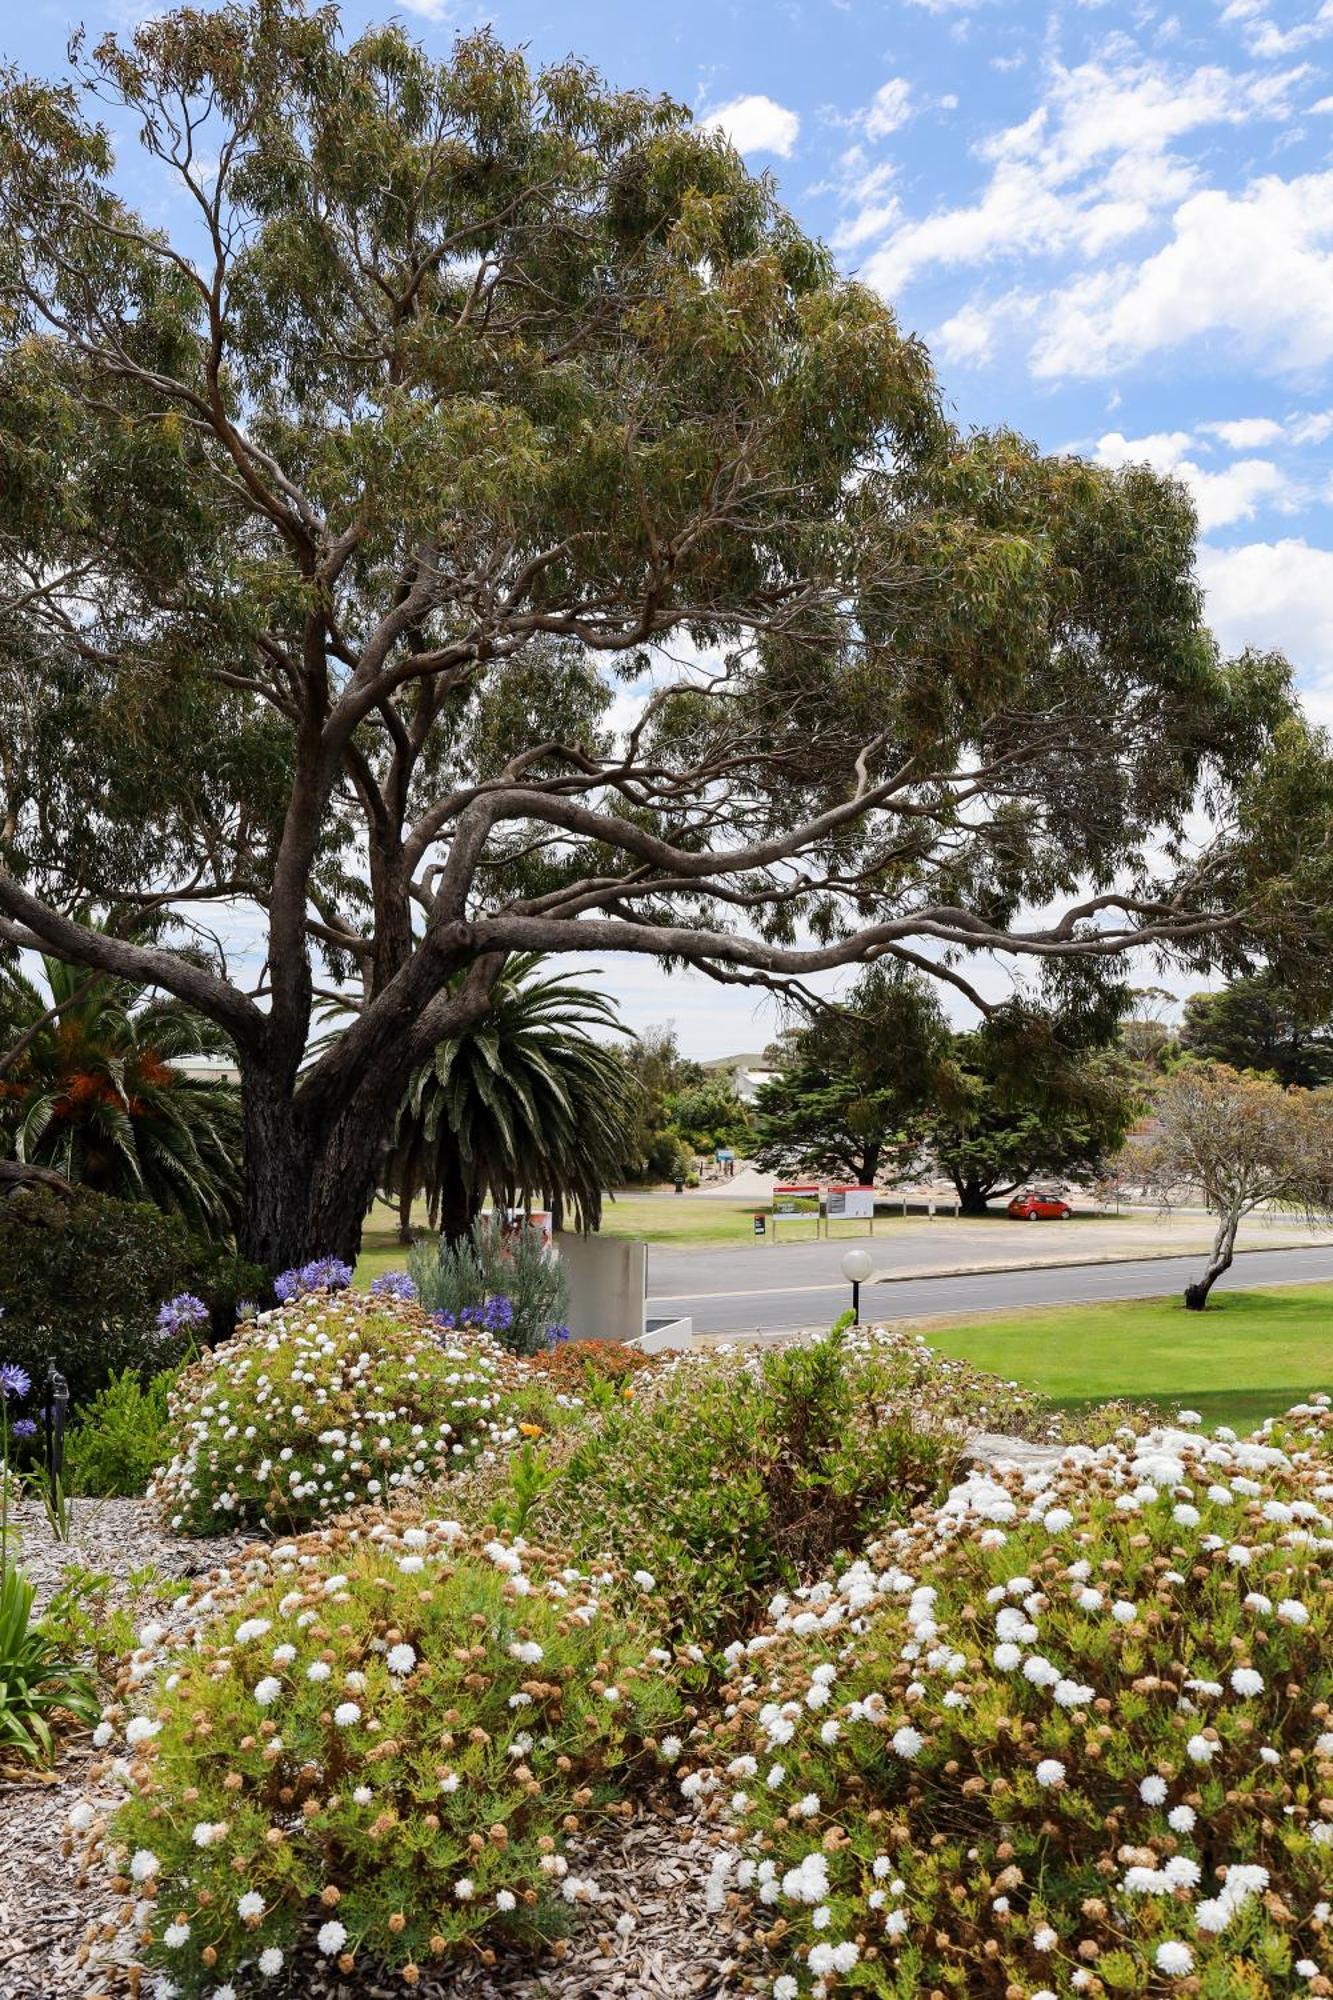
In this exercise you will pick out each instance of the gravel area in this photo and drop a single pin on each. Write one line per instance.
(58, 1926)
(117, 1538)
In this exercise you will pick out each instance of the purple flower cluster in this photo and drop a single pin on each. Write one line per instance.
(322, 1274)
(394, 1285)
(495, 1315)
(556, 1336)
(178, 1315)
(15, 1382)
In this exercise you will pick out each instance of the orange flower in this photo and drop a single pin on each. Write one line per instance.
(532, 1430)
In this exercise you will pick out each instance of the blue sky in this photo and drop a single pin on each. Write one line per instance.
(1113, 224)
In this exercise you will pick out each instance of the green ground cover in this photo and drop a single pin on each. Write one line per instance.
(1249, 1356)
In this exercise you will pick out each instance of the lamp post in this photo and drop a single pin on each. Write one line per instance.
(857, 1266)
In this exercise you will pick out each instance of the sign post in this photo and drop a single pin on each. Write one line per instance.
(852, 1202)
(796, 1199)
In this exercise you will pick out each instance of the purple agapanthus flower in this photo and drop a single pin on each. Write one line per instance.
(394, 1285)
(497, 1314)
(24, 1427)
(321, 1274)
(177, 1314)
(556, 1336)
(14, 1381)
(445, 1320)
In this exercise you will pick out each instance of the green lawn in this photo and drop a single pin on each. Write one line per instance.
(1249, 1356)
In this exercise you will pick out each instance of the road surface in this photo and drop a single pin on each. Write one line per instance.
(760, 1301)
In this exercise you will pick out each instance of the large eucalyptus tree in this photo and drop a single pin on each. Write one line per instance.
(452, 511)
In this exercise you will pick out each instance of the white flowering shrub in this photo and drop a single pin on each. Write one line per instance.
(328, 1402)
(1068, 1733)
(374, 1742)
(733, 1475)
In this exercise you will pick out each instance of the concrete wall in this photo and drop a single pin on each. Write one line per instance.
(608, 1284)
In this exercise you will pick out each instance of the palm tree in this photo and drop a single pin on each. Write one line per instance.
(523, 1103)
(91, 1090)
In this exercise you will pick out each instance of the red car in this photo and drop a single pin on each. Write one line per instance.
(1035, 1205)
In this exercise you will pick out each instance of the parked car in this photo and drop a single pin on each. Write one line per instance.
(1037, 1205)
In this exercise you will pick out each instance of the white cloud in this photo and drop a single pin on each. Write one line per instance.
(1163, 450)
(889, 108)
(1277, 594)
(1236, 493)
(863, 191)
(1256, 267)
(756, 124)
(1262, 35)
(1312, 428)
(967, 338)
(1245, 433)
(866, 223)
(1092, 165)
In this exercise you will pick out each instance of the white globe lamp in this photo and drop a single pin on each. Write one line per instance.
(857, 1266)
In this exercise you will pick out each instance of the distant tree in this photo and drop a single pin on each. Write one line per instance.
(854, 1082)
(523, 1103)
(1063, 1119)
(1243, 1142)
(1256, 1024)
(661, 1076)
(93, 1092)
(1146, 1034)
(710, 1114)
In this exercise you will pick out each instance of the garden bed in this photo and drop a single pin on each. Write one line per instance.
(652, 1937)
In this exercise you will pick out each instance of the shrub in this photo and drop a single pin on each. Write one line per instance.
(460, 1279)
(121, 1436)
(1068, 1733)
(82, 1277)
(573, 1365)
(323, 1404)
(381, 1734)
(732, 1476)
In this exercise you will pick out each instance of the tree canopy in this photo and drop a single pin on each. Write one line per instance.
(1255, 1023)
(1063, 1118)
(462, 514)
(855, 1082)
(1242, 1142)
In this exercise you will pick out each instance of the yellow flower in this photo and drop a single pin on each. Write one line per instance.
(532, 1430)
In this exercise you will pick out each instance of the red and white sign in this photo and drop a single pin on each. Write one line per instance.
(852, 1202)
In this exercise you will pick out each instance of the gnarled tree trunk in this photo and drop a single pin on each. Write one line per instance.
(1224, 1246)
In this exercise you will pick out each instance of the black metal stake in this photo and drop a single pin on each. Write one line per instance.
(57, 1404)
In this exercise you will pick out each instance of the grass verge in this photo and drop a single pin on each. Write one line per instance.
(1249, 1356)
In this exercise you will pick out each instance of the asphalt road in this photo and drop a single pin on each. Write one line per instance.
(750, 1308)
